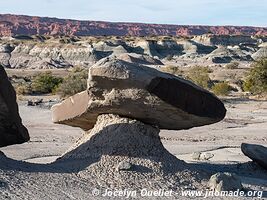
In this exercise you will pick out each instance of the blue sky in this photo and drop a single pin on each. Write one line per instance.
(191, 12)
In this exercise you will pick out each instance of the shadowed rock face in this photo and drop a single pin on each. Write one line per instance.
(11, 129)
(257, 153)
(142, 93)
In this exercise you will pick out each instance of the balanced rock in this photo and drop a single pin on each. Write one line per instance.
(257, 153)
(11, 129)
(139, 92)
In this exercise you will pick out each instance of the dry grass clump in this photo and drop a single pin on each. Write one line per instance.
(256, 80)
(74, 82)
(232, 65)
(221, 89)
(172, 70)
(200, 76)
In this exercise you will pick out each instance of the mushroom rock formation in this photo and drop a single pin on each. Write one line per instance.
(11, 129)
(139, 92)
(125, 106)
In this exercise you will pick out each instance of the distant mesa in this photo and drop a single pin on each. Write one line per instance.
(12, 130)
(11, 25)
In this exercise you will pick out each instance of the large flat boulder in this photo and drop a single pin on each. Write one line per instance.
(11, 129)
(139, 92)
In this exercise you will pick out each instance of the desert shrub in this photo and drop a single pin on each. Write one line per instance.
(232, 65)
(23, 89)
(74, 82)
(172, 70)
(222, 89)
(256, 80)
(45, 83)
(200, 76)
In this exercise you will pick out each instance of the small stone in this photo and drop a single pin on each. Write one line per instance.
(196, 155)
(124, 166)
(205, 156)
(3, 184)
(224, 182)
(202, 156)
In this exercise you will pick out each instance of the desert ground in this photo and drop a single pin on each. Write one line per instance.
(246, 121)
(33, 170)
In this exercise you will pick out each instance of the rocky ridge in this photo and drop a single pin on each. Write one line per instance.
(27, 25)
(66, 52)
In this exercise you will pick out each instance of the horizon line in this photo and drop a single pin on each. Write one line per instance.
(132, 22)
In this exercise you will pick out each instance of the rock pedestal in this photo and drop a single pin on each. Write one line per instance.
(124, 153)
(119, 136)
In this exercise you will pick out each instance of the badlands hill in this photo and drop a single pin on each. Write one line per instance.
(54, 52)
(27, 25)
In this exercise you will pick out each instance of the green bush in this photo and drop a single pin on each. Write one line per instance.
(256, 80)
(74, 82)
(200, 76)
(232, 65)
(221, 89)
(45, 83)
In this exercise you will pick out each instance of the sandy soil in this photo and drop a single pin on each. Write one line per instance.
(246, 121)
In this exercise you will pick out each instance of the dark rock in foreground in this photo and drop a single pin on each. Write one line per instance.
(255, 152)
(11, 129)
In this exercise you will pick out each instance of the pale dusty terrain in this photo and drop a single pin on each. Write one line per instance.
(246, 121)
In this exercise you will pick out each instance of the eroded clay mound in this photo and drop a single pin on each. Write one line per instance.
(114, 140)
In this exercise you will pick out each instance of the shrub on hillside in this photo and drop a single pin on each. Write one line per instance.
(73, 83)
(221, 89)
(45, 82)
(256, 80)
(232, 65)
